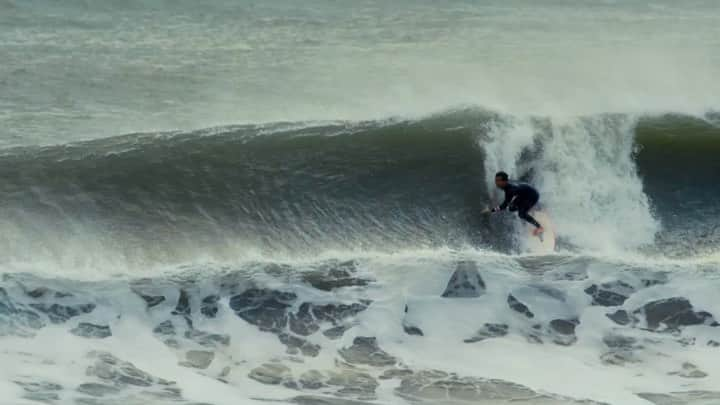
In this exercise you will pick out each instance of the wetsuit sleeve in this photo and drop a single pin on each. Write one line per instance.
(505, 203)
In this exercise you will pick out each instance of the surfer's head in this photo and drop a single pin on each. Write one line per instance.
(501, 179)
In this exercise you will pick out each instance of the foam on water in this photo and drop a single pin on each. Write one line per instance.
(404, 291)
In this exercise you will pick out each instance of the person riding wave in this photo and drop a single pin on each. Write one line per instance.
(519, 197)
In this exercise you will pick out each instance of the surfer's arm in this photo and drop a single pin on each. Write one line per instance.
(503, 205)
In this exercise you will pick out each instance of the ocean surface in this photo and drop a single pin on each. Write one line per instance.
(264, 202)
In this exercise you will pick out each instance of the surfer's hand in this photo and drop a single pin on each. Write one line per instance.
(538, 231)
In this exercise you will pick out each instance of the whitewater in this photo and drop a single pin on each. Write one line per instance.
(251, 203)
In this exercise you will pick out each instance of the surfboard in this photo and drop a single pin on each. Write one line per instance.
(545, 242)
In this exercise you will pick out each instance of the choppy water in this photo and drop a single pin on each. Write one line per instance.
(237, 202)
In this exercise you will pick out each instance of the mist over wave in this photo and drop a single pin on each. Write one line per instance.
(189, 66)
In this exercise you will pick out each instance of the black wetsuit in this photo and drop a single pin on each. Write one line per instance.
(520, 197)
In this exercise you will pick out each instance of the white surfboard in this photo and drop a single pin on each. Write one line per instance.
(545, 242)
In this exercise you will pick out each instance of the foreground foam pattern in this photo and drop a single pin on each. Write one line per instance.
(483, 329)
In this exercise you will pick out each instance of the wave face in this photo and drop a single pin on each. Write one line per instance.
(608, 181)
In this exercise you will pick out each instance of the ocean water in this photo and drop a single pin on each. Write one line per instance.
(239, 202)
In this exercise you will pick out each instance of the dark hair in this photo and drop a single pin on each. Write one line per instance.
(503, 176)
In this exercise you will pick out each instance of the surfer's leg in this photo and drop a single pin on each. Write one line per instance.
(523, 213)
(523, 208)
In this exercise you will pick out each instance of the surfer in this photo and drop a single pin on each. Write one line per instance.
(519, 197)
